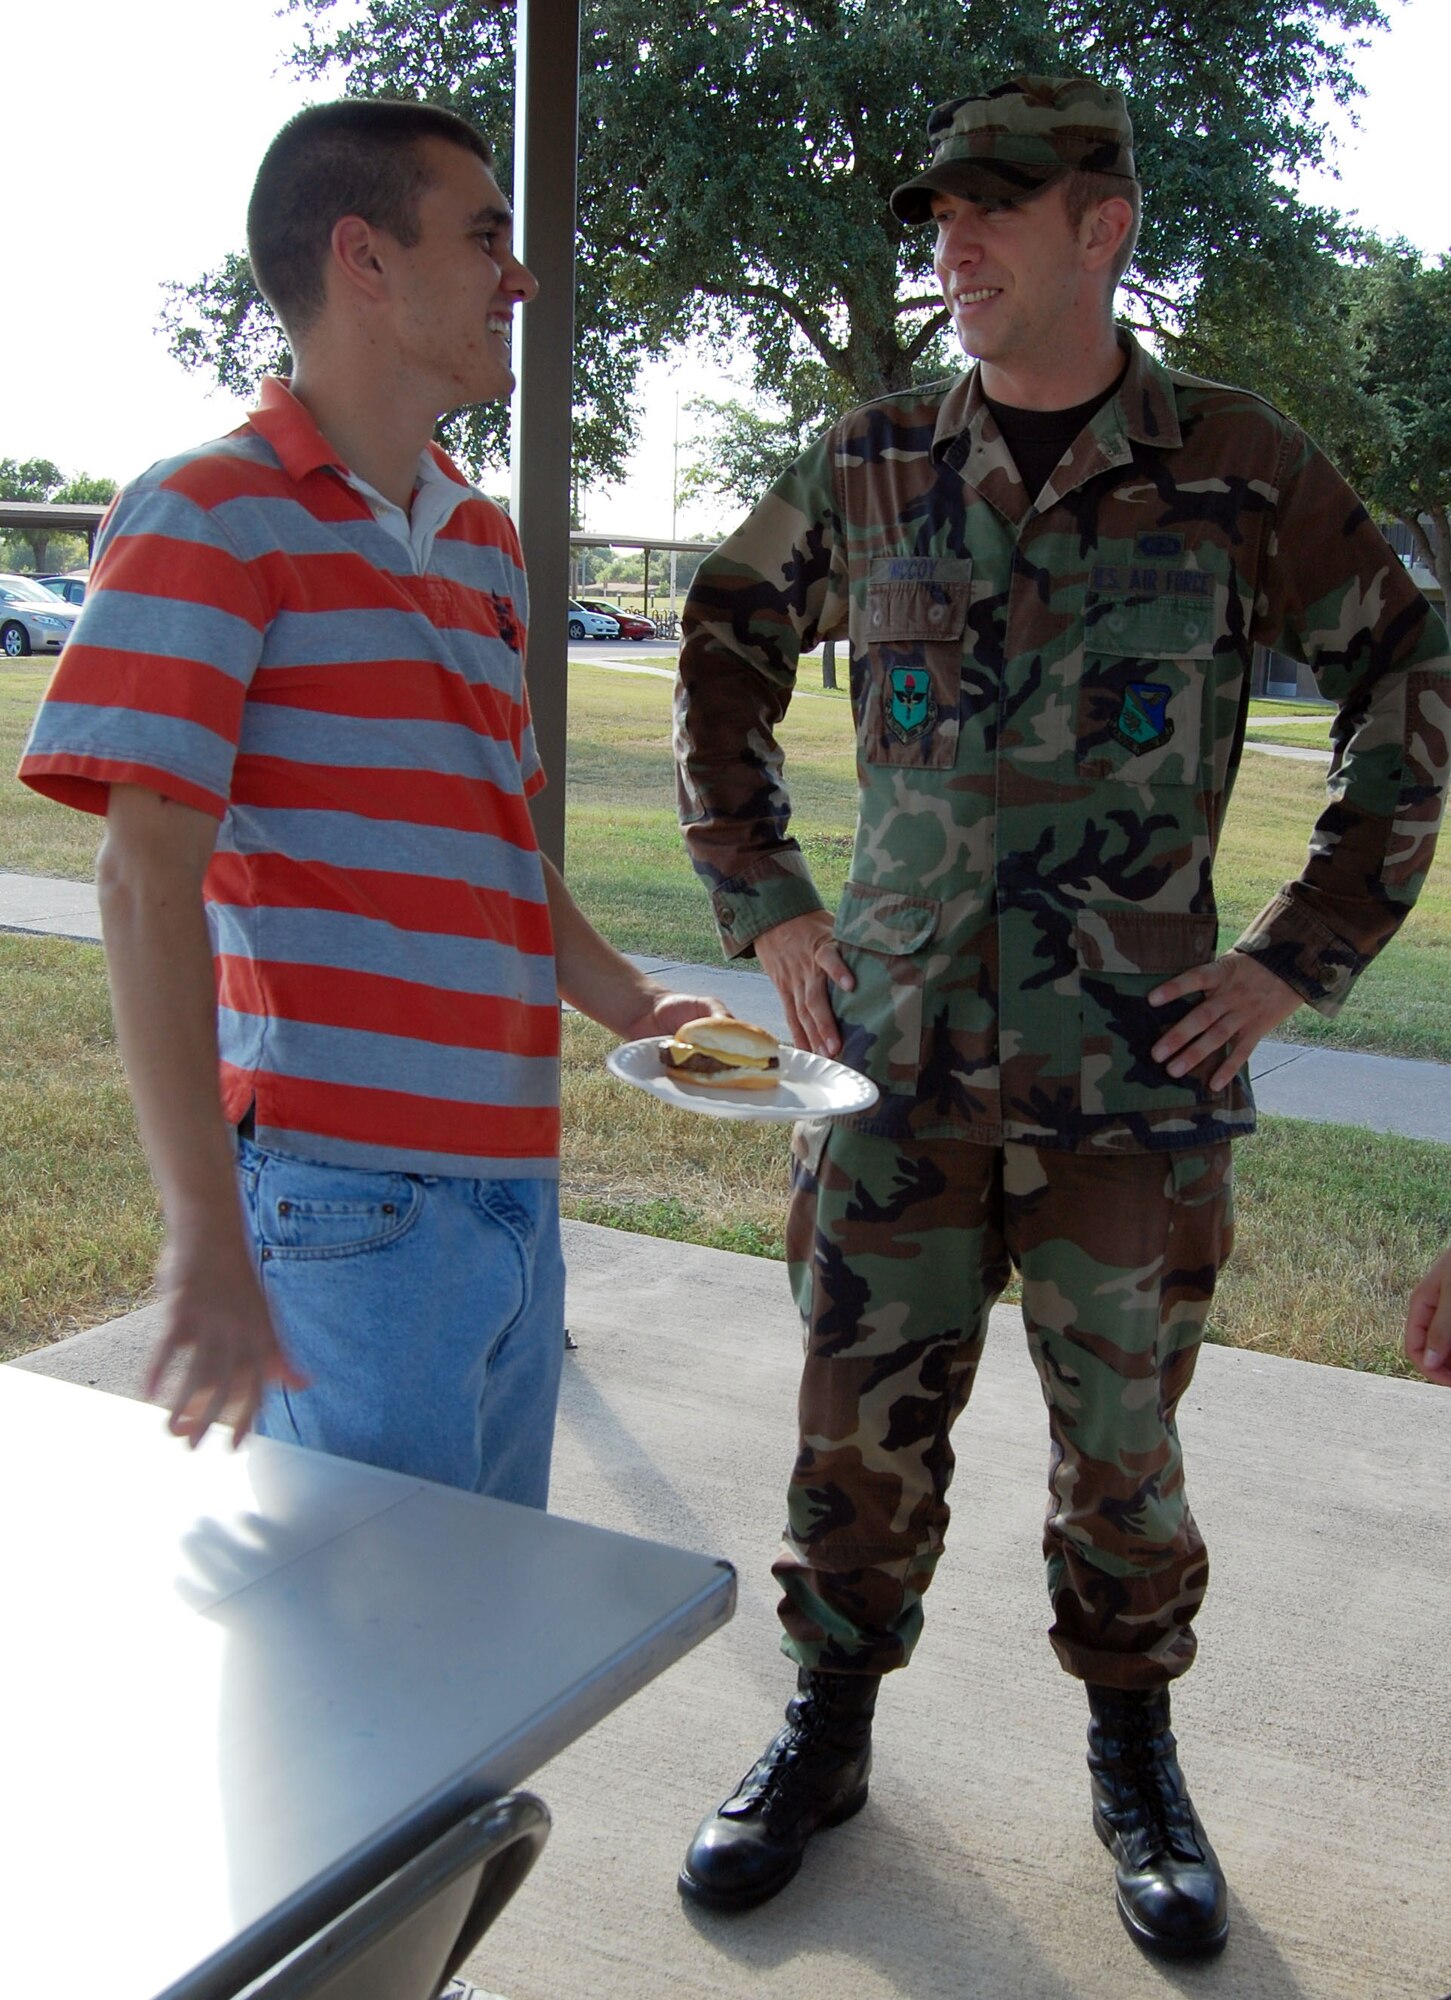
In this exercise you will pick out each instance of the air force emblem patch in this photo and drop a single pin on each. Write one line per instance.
(1141, 723)
(911, 710)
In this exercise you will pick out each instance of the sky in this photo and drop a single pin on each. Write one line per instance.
(138, 169)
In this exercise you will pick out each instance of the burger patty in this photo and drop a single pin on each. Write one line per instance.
(705, 1065)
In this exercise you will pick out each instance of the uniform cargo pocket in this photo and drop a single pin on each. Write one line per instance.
(884, 937)
(912, 636)
(808, 1143)
(1142, 689)
(1123, 955)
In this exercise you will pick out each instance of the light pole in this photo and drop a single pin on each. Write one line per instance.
(674, 496)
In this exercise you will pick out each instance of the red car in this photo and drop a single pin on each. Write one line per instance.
(632, 625)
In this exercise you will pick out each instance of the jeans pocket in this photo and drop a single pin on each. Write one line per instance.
(303, 1211)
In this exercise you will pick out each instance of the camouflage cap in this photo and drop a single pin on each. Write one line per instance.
(1017, 138)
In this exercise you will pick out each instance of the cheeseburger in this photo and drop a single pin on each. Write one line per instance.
(719, 1053)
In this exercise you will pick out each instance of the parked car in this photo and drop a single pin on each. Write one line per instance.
(631, 624)
(32, 619)
(71, 586)
(592, 624)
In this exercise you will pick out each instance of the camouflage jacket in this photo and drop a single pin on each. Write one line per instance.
(1050, 702)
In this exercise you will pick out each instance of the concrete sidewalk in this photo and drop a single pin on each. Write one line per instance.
(1328, 1086)
(1314, 1725)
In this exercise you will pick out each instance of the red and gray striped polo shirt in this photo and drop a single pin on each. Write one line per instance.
(255, 643)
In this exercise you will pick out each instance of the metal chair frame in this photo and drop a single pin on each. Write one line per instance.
(422, 1921)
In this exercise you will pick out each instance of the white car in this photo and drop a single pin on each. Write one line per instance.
(591, 624)
(32, 620)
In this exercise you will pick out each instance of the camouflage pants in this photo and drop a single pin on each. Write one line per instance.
(897, 1253)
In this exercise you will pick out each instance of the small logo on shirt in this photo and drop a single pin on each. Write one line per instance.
(920, 569)
(911, 711)
(1141, 723)
(1145, 580)
(1156, 547)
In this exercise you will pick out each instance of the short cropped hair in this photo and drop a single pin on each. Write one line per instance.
(1082, 191)
(360, 156)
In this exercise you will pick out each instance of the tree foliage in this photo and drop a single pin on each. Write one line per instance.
(40, 479)
(1275, 317)
(1403, 344)
(1357, 348)
(86, 490)
(34, 479)
(736, 159)
(740, 448)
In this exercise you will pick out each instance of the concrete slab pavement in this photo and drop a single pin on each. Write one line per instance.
(1295, 753)
(49, 906)
(1313, 1726)
(1328, 1086)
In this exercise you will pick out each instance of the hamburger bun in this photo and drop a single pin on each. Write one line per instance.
(718, 1052)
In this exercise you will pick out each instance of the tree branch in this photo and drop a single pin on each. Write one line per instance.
(1441, 555)
(834, 356)
(937, 324)
(1153, 298)
(1411, 522)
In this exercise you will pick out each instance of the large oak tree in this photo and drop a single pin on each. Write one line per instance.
(1355, 346)
(735, 163)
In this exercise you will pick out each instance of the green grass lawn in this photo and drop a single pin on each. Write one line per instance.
(1306, 736)
(628, 868)
(1296, 1285)
(622, 834)
(1313, 719)
(36, 837)
(81, 1233)
(1302, 739)
(624, 857)
(1334, 1226)
(1259, 706)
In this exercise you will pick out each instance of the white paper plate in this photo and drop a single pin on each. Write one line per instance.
(811, 1086)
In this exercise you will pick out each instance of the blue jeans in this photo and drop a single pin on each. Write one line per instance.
(427, 1312)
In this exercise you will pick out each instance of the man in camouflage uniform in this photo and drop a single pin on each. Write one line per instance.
(1052, 572)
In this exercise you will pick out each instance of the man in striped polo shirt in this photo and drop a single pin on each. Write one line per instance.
(296, 693)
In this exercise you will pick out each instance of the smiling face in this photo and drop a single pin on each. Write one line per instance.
(455, 291)
(1013, 278)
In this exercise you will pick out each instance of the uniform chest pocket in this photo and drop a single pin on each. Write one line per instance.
(1141, 694)
(912, 635)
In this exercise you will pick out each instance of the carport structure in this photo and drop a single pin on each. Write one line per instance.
(24, 517)
(649, 545)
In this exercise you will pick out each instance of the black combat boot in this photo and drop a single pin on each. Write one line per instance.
(814, 1774)
(1170, 1886)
